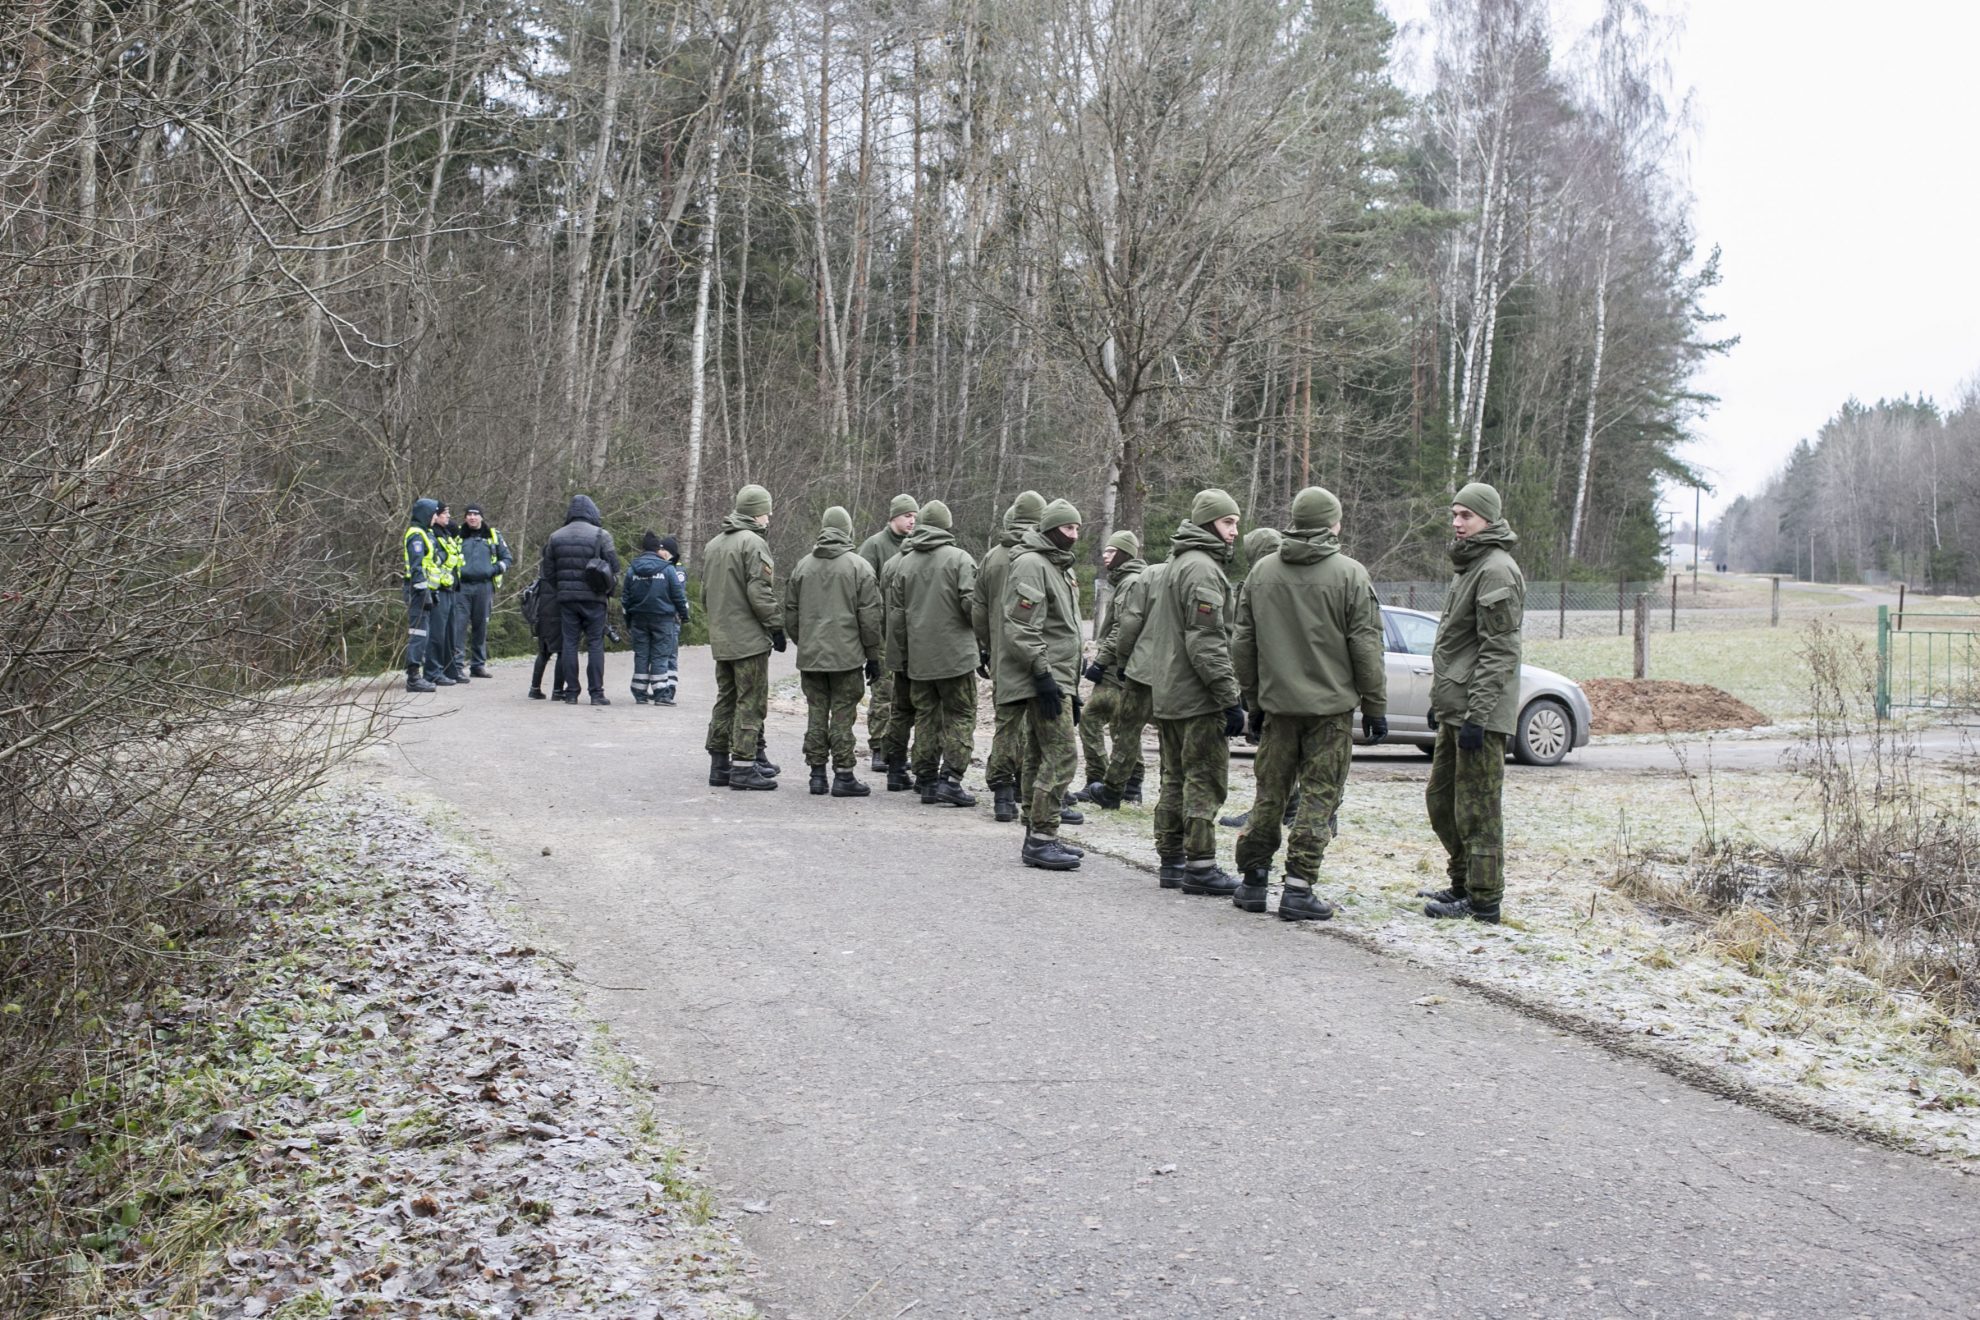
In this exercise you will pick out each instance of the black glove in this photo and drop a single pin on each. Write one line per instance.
(430, 596)
(1375, 727)
(982, 663)
(1234, 720)
(1095, 672)
(778, 641)
(1471, 737)
(872, 671)
(1254, 726)
(1433, 720)
(612, 635)
(1050, 699)
(1078, 706)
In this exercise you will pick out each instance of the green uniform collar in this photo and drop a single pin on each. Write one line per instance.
(1495, 536)
(1191, 536)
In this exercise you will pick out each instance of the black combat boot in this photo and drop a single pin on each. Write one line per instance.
(1006, 800)
(949, 789)
(1172, 872)
(414, 683)
(764, 766)
(1132, 793)
(1464, 907)
(718, 770)
(441, 680)
(640, 696)
(1251, 895)
(479, 671)
(664, 697)
(1298, 902)
(925, 785)
(818, 785)
(1208, 878)
(1103, 797)
(748, 777)
(898, 778)
(844, 785)
(535, 693)
(600, 699)
(1069, 814)
(1449, 894)
(1047, 854)
(878, 765)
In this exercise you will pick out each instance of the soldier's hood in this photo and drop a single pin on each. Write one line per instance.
(423, 511)
(1498, 535)
(831, 544)
(1012, 533)
(736, 522)
(1192, 536)
(1126, 569)
(1309, 547)
(926, 539)
(1036, 540)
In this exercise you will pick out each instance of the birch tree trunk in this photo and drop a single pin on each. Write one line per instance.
(1594, 389)
(698, 352)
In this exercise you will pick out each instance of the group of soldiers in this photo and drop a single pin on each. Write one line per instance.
(451, 574)
(1288, 659)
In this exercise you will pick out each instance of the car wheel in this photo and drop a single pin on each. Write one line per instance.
(1546, 733)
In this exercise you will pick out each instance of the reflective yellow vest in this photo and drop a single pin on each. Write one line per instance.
(452, 561)
(424, 562)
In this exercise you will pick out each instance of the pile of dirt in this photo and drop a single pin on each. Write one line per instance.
(1652, 705)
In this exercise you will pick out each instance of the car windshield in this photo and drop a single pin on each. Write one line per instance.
(1419, 634)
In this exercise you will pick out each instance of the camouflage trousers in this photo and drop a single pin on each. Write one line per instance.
(1464, 802)
(1008, 745)
(899, 706)
(880, 715)
(1307, 756)
(1051, 754)
(1096, 729)
(742, 699)
(1124, 766)
(1196, 778)
(944, 725)
(831, 699)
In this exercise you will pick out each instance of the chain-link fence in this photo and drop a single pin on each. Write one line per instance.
(1679, 603)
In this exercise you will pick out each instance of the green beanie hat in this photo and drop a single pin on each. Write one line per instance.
(1482, 500)
(935, 514)
(1315, 509)
(1127, 543)
(1059, 513)
(1028, 508)
(838, 520)
(1211, 505)
(753, 501)
(902, 504)
(1260, 541)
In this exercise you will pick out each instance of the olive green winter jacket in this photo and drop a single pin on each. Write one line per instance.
(832, 607)
(1120, 577)
(929, 594)
(1309, 632)
(1041, 619)
(1184, 652)
(739, 591)
(991, 572)
(1128, 617)
(1475, 661)
(878, 548)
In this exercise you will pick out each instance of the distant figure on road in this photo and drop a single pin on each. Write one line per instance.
(832, 610)
(929, 596)
(581, 559)
(1474, 702)
(1010, 685)
(423, 568)
(485, 557)
(745, 624)
(1042, 642)
(1308, 651)
(655, 604)
(876, 550)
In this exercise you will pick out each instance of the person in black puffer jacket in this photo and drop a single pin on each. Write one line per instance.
(549, 631)
(580, 604)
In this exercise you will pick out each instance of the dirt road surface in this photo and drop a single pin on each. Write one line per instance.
(939, 1084)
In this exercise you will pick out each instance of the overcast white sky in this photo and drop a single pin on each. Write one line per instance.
(1833, 159)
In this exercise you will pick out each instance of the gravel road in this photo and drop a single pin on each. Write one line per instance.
(943, 1085)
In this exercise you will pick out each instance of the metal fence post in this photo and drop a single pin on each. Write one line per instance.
(1622, 589)
(1775, 622)
(1674, 602)
(1643, 634)
(1883, 662)
(1563, 609)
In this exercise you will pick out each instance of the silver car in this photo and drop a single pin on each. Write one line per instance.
(1554, 717)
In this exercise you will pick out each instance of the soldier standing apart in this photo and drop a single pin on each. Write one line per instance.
(832, 611)
(876, 550)
(1308, 652)
(1184, 656)
(422, 553)
(1474, 700)
(932, 587)
(745, 624)
(485, 557)
(443, 665)
(1127, 619)
(1005, 765)
(1123, 563)
(1042, 635)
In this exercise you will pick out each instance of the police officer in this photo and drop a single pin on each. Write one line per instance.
(876, 550)
(423, 569)
(1123, 563)
(1308, 651)
(1042, 637)
(745, 624)
(1184, 656)
(485, 557)
(832, 610)
(443, 660)
(1005, 765)
(1474, 701)
(929, 596)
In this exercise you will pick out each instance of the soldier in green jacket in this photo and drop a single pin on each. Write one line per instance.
(1042, 636)
(1474, 701)
(1123, 562)
(832, 611)
(876, 550)
(1127, 618)
(745, 624)
(1184, 656)
(929, 594)
(1005, 765)
(1307, 651)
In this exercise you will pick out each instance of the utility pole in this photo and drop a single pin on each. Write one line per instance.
(1697, 534)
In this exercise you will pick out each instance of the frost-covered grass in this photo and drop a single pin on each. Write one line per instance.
(1761, 666)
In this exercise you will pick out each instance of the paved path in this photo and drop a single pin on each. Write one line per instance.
(958, 1088)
